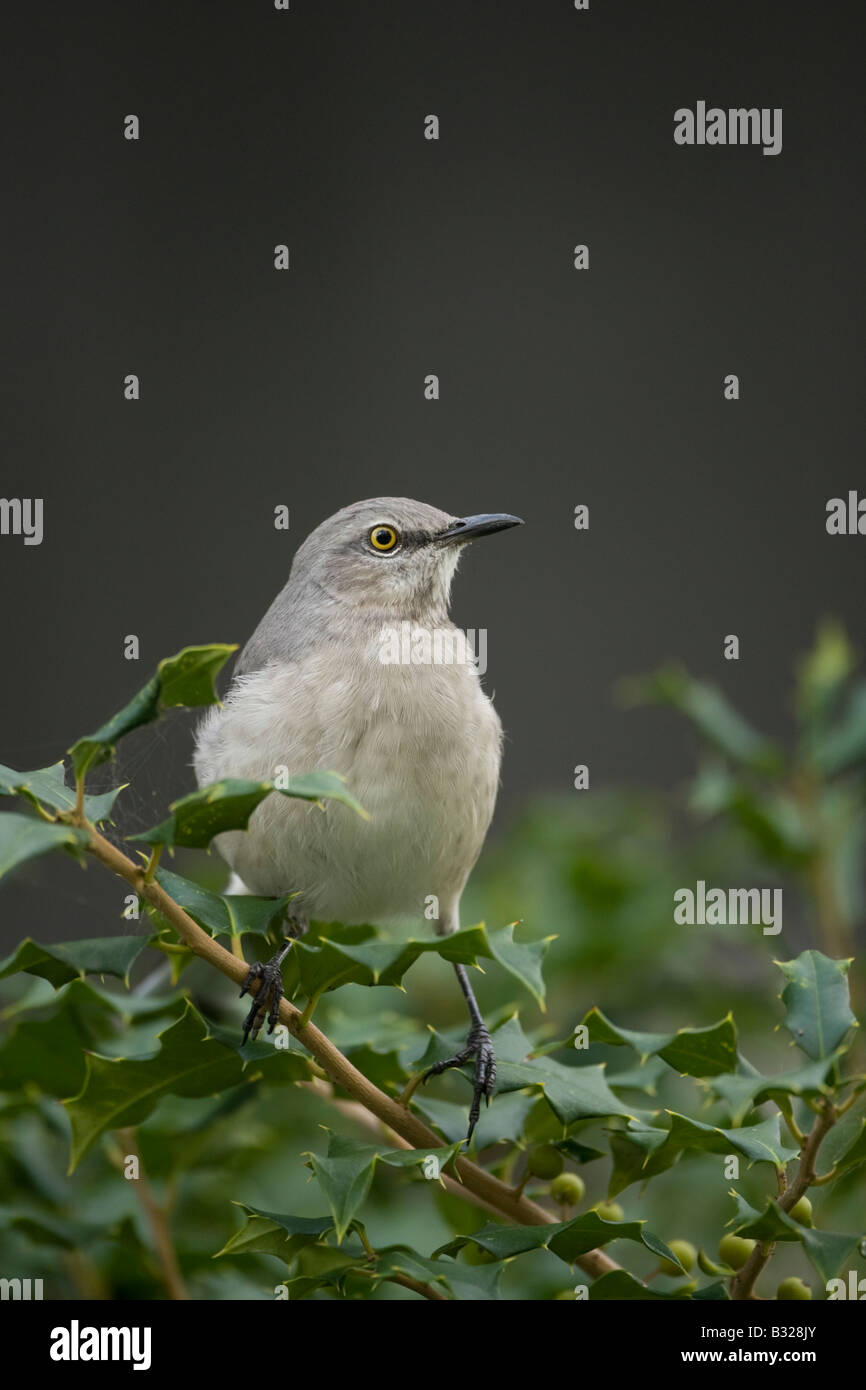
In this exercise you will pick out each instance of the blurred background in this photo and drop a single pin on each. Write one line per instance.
(409, 257)
(558, 388)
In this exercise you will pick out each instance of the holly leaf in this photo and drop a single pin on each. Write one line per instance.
(268, 1233)
(809, 1080)
(191, 1062)
(71, 960)
(47, 787)
(334, 955)
(346, 1172)
(46, 1052)
(500, 1123)
(855, 1154)
(770, 1224)
(816, 999)
(761, 1143)
(573, 1093)
(566, 1239)
(184, 679)
(621, 1287)
(197, 819)
(468, 1283)
(828, 1251)
(522, 959)
(25, 837)
(644, 1077)
(223, 914)
(690, 1051)
(638, 1153)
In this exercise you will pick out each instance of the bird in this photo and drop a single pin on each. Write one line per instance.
(418, 742)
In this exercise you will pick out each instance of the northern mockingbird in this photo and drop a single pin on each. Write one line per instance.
(419, 743)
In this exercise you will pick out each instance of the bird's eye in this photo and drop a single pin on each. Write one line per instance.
(383, 538)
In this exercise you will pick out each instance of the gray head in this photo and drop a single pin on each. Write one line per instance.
(389, 555)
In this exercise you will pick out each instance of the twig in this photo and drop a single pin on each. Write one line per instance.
(742, 1285)
(476, 1180)
(163, 1243)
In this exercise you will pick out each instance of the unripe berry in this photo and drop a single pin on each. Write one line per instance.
(735, 1250)
(610, 1211)
(685, 1253)
(545, 1161)
(567, 1189)
(793, 1290)
(802, 1211)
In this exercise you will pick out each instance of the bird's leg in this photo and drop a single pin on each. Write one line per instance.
(266, 1001)
(479, 1046)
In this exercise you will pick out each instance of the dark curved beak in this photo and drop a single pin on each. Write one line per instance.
(468, 528)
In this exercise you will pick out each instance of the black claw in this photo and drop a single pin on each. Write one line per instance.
(266, 1003)
(479, 1046)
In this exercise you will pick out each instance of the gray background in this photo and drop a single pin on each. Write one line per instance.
(409, 257)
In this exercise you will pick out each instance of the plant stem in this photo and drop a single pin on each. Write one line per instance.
(309, 1008)
(743, 1284)
(477, 1181)
(425, 1290)
(150, 870)
(156, 1217)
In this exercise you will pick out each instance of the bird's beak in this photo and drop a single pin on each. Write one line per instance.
(469, 527)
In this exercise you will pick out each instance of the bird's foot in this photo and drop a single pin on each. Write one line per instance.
(268, 996)
(479, 1046)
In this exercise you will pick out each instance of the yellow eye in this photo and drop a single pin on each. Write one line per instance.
(383, 538)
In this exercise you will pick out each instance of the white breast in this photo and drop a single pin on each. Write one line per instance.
(419, 747)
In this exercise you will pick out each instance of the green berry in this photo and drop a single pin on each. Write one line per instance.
(791, 1290)
(564, 1296)
(567, 1189)
(685, 1253)
(802, 1211)
(545, 1161)
(735, 1250)
(610, 1211)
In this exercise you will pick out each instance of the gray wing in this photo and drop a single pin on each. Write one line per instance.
(277, 637)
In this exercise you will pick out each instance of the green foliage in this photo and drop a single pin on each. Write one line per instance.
(109, 955)
(197, 819)
(23, 838)
(701, 1052)
(47, 788)
(818, 1015)
(184, 679)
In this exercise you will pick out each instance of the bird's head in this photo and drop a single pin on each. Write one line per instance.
(391, 555)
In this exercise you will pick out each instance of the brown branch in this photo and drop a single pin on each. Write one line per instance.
(157, 1220)
(484, 1188)
(743, 1284)
(425, 1290)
